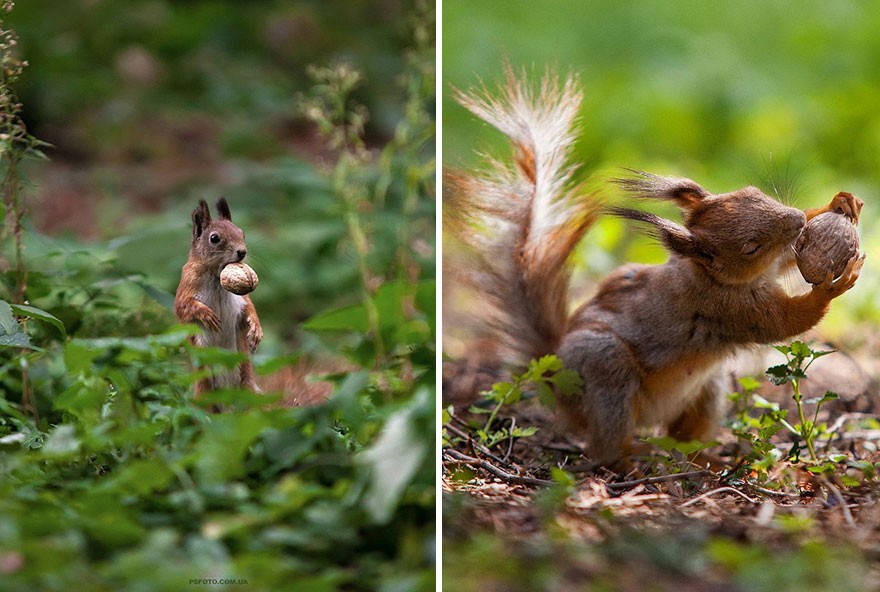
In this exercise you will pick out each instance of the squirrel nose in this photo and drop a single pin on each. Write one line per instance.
(241, 253)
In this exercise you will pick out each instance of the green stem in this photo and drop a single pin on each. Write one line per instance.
(806, 432)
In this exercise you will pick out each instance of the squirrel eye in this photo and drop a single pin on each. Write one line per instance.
(214, 238)
(750, 248)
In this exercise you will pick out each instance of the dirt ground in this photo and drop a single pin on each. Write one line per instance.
(669, 523)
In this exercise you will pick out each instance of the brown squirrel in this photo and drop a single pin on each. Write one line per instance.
(228, 321)
(649, 343)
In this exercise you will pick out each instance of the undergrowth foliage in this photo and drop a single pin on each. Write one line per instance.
(112, 477)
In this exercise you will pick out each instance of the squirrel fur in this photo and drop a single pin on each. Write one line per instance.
(649, 343)
(227, 320)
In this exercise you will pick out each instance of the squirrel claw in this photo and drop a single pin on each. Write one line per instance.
(853, 270)
(254, 335)
(846, 280)
(211, 321)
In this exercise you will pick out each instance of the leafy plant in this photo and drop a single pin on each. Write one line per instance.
(759, 431)
(681, 454)
(545, 376)
(799, 357)
(108, 468)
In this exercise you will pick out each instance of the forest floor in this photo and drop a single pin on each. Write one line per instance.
(512, 521)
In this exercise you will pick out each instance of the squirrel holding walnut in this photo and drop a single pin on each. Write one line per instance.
(649, 344)
(228, 319)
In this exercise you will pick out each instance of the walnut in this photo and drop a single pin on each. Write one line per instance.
(239, 278)
(826, 244)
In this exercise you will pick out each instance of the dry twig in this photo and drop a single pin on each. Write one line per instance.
(702, 496)
(658, 479)
(501, 474)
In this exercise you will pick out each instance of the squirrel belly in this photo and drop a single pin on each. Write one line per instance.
(649, 344)
(228, 307)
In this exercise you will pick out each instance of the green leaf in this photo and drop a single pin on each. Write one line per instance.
(562, 477)
(479, 410)
(219, 455)
(41, 315)
(392, 460)
(762, 403)
(78, 357)
(800, 350)
(502, 392)
(666, 443)
(749, 383)
(462, 474)
(823, 468)
(548, 363)
(568, 382)
(237, 398)
(140, 477)
(349, 318)
(272, 365)
(545, 394)
(524, 432)
(8, 324)
(779, 374)
(62, 441)
(11, 332)
(828, 396)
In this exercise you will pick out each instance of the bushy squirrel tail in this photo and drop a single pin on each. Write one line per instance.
(519, 223)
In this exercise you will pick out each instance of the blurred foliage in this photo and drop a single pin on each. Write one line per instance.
(780, 95)
(239, 61)
(112, 477)
(179, 101)
(121, 473)
(635, 559)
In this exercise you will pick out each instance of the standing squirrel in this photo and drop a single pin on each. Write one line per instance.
(649, 344)
(228, 321)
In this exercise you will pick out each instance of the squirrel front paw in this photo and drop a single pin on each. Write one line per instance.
(254, 335)
(847, 204)
(847, 279)
(209, 319)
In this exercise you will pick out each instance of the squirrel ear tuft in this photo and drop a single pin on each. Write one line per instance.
(674, 236)
(223, 209)
(201, 217)
(687, 194)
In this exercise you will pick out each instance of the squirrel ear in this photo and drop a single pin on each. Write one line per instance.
(686, 194)
(223, 209)
(201, 217)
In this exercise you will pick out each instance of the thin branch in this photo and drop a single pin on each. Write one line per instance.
(658, 479)
(510, 444)
(766, 491)
(719, 490)
(474, 444)
(501, 474)
(835, 492)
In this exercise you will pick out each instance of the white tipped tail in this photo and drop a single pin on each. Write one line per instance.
(520, 223)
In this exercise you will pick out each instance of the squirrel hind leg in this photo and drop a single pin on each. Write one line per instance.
(606, 408)
(247, 379)
(699, 420)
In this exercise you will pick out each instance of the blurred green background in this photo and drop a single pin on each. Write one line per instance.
(108, 467)
(151, 105)
(729, 94)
